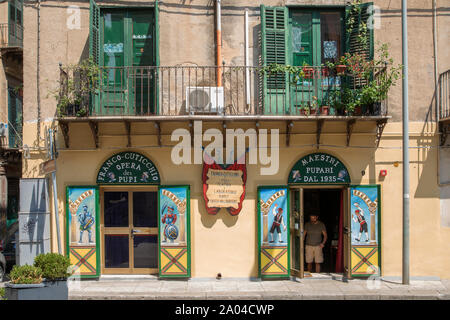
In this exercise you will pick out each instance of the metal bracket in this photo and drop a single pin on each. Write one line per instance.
(158, 128)
(94, 129)
(289, 126)
(380, 127)
(350, 125)
(65, 131)
(128, 130)
(319, 131)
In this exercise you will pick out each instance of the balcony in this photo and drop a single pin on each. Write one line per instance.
(444, 105)
(186, 93)
(180, 92)
(11, 36)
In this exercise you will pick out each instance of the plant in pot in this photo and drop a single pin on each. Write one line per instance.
(304, 109)
(55, 273)
(308, 71)
(25, 283)
(314, 107)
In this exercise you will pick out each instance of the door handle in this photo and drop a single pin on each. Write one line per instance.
(346, 230)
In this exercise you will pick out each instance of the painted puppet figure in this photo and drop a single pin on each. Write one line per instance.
(277, 221)
(86, 221)
(358, 217)
(169, 218)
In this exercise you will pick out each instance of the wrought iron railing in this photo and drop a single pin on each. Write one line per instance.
(192, 90)
(444, 96)
(11, 35)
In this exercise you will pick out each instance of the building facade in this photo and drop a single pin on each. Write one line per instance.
(128, 109)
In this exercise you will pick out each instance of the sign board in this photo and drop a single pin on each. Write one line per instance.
(47, 167)
(224, 187)
(128, 168)
(319, 168)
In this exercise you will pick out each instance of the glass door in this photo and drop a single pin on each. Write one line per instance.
(296, 225)
(129, 231)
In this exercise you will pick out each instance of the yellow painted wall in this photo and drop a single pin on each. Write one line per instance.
(227, 244)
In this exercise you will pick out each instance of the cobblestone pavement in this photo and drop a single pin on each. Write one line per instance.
(305, 289)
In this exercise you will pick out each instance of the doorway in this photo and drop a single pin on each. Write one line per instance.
(129, 230)
(328, 204)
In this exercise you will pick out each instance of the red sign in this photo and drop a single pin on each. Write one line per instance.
(224, 186)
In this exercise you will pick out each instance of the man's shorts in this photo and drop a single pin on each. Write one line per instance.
(313, 253)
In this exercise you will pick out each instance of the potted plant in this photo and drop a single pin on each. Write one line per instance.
(308, 71)
(25, 283)
(304, 109)
(55, 273)
(325, 110)
(314, 107)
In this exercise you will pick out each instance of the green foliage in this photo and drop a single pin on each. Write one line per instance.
(2, 294)
(53, 265)
(25, 274)
(80, 81)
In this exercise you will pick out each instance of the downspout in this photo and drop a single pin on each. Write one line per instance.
(405, 124)
(218, 44)
(247, 74)
(38, 71)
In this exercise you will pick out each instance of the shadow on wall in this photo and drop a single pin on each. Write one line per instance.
(209, 220)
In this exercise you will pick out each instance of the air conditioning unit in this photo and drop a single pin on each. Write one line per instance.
(3, 129)
(4, 137)
(204, 100)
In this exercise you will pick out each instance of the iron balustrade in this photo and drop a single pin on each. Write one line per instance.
(444, 96)
(11, 35)
(191, 90)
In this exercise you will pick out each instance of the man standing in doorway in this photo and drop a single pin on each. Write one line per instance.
(314, 230)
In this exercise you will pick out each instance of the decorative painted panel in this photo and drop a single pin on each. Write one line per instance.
(273, 232)
(82, 230)
(365, 230)
(174, 232)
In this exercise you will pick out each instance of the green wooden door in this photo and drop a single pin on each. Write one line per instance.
(143, 56)
(114, 92)
(127, 39)
(303, 50)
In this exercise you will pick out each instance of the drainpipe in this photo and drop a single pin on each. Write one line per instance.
(218, 44)
(406, 187)
(38, 72)
(247, 74)
(55, 191)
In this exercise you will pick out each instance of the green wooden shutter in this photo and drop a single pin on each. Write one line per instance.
(14, 119)
(357, 17)
(274, 47)
(174, 238)
(94, 32)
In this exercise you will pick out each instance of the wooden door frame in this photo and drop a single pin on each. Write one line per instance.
(346, 220)
(115, 230)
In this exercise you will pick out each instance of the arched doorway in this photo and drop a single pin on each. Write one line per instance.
(128, 184)
(318, 185)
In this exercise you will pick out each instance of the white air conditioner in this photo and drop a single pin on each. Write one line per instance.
(204, 100)
(3, 129)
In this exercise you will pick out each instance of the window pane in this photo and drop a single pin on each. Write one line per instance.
(145, 209)
(145, 251)
(301, 35)
(331, 36)
(116, 209)
(116, 251)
